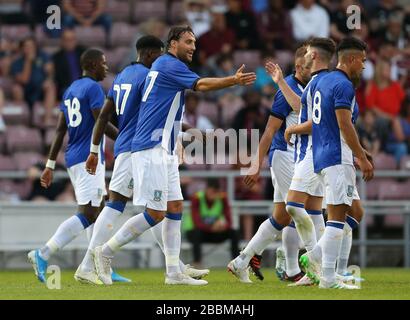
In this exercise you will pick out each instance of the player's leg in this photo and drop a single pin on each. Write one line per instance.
(353, 219)
(171, 227)
(269, 231)
(185, 268)
(69, 229)
(313, 207)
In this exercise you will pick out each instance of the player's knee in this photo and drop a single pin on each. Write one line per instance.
(156, 216)
(175, 206)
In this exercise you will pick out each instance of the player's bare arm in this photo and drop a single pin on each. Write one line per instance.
(102, 125)
(272, 127)
(240, 78)
(47, 176)
(302, 128)
(344, 120)
(277, 76)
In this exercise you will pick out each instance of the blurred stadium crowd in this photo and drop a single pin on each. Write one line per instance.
(37, 64)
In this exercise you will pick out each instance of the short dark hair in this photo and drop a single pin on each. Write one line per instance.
(149, 42)
(213, 183)
(89, 57)
(351, 43)
(326, 45)
(176, 32)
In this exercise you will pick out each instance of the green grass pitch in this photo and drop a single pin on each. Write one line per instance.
(148, 285)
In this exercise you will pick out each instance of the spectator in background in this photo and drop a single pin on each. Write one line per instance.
(211, 220)
(67, 62)
(309, 20)
(264, 83)
(223, 67)
(198, 16)
(152, 27)
(2, 124)
(38, 11)
(191, 115)
(219, 39)
(275, 27)
(14, 12)
(87, 13)
(33, 71)
(371, 137)
(405, 121)
(243, 25)
(253, 115)
(379, 16)
(394, 32)
(338, 26)
(385, 97)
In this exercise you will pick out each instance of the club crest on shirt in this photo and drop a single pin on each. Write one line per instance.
(131, 184)
(157, 195)
(350, 191)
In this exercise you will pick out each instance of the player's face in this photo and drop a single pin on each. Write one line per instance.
(186, 47)
(309, 57)
(101, 68)
(304, 70)
(357, 67)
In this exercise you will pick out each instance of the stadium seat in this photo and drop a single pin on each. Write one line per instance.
(24, 160)
(20, 138)
(7, 163)
(38, 114)
(119, 10)
(8, 190)
(405, 163)
(123, 34)
(251, 59)
(394, 220)
(389, 190)
(49, 137)
(16, 32)
(43, 39)
(90, 36)
(148, 8)
(384, 161)
(16, 113)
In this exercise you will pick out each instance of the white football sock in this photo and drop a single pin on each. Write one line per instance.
(131, 230)
(157, 234)
(267, 233)
(89, 232)
(346, 246)
(333, 237)
(171, 236)
(103, 227)
(318, 222)
(290, 243)
(66, 232)
(303, 223)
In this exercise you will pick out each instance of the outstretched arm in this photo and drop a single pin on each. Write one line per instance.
(47, 176)
(277, 76)
(240, 78)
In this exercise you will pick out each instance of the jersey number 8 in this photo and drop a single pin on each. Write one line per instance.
(74, 114)
(317, 111)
